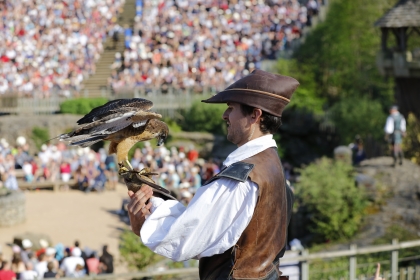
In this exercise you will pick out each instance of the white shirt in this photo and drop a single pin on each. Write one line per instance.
(389, 126)
(213, 221)
(41, 268)
(28, 275)
(69, 264)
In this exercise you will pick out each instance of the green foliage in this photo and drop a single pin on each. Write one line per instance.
(135, 253)
(364, 117)
(39, 136)
(305, 95)
(411, 143)
(327, 191)
(337, 268)
(336, 68)
(341, 52)
(204, 117)
(81, 106)
(173, 125)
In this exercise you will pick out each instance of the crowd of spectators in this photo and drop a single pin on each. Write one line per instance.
(179, 169)
(50, 46)
(89, 170)
(205, 43)
(37, 261)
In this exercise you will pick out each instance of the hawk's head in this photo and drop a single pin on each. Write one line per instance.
(162, 137)
(160, 130)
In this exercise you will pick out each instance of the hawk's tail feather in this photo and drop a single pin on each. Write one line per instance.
(87, 142)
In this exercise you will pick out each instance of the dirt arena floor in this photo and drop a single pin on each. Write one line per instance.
(66, 216)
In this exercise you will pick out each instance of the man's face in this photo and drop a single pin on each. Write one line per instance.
(238, 125)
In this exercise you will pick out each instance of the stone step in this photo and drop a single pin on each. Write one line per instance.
(103, 70)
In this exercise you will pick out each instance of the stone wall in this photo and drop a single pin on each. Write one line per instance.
(12, 209)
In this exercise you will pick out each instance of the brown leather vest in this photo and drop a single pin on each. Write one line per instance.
(255, 252)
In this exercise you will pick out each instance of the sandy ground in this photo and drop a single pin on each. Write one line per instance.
(72, 215)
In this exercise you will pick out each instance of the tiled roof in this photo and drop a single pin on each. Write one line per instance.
(406, 13)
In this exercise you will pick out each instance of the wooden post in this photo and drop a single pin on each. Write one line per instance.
(394, 261)
(353, 263)
(305, 266)
(402, 274)
(410, 273)
(417, 273)
(384, 39)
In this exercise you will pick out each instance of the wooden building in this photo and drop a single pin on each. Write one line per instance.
(399, 56)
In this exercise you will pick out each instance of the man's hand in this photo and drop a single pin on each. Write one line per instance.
(137, 208)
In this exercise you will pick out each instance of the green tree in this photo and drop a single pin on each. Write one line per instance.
(411, 143)
(305, 96)
(204, 117)
(364, 117)
(135, 253)
(81, 106)
(333, 203)
(341, 52)
(39, 136)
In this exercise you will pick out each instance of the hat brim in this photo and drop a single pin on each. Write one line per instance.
(250, 98)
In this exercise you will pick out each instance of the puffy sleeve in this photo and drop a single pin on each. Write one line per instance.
(389, 125)
(211, 224)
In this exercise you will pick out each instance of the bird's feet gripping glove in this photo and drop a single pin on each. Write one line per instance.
(135, 179)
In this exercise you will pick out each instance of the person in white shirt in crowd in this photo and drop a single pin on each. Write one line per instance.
(29, 273)
(68, 266)
(41, 266)
(228, 225)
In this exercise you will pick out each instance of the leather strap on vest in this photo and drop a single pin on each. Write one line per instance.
(238, 171)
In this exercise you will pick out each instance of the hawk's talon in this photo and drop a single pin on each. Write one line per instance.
(123, 170)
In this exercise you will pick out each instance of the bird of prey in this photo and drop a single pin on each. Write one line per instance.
(124, 122)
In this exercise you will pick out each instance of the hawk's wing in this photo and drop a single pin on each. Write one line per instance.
(108, 119)
(115, 106)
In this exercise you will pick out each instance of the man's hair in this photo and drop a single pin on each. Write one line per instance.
(268, 124)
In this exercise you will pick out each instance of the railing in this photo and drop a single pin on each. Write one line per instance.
(305, 258)
(399, 64)
(402, 274)
(166, 101)
(181, 272)
(13, 104)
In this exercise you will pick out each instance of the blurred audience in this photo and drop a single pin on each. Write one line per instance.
(50, 46)
(203, 43)
(54, 262)
(179, 169)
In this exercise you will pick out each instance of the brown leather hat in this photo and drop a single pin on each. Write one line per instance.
(266, 91)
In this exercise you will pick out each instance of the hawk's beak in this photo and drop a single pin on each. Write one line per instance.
(160, 141)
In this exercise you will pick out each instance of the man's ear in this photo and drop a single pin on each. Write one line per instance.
(256, 115)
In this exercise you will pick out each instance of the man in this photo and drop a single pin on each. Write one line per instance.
(236, 223)
(68, 266)
(395, 128)
(106, 260)
(41, 266)
(26, 250)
